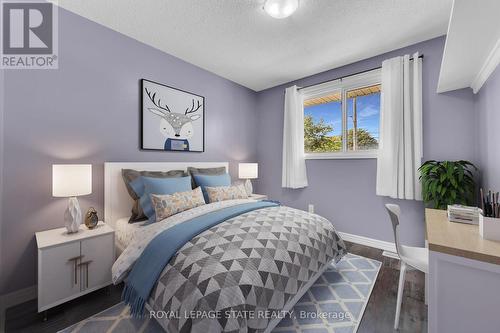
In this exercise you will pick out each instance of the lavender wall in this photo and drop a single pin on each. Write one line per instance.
(88, 112)
(344, 190)
(487, 104)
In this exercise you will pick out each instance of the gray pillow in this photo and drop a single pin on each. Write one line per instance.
(130, 175)
(204, 171)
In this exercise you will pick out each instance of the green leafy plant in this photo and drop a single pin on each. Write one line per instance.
(447, 182)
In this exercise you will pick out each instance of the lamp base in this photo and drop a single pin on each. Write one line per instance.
(249, 187)
(73, 216)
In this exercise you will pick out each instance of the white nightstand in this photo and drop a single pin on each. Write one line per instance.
(71, 265)
(258, 196)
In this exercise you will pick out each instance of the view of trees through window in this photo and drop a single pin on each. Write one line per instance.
(323, 129)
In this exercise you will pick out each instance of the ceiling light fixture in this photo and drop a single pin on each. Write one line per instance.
(280, 9)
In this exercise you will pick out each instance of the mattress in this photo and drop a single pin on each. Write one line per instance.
(245, 270)
(124, 232)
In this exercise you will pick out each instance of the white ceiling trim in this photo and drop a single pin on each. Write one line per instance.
(487, 69)
(472, 49)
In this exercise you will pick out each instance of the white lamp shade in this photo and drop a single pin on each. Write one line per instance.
(71, 180)
(248, 170)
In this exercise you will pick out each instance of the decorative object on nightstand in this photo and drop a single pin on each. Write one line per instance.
(72, 265)
(248, 171)
(91, 218)
(72, 180)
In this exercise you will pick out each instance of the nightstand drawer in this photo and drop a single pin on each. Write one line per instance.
(59, 276)
(97, 253)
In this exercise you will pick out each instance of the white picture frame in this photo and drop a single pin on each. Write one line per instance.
(171, 119)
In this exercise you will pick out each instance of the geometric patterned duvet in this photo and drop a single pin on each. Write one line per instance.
(238, 275)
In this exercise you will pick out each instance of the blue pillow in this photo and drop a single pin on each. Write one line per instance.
(161, 186)
(137, 185)
(211, 181)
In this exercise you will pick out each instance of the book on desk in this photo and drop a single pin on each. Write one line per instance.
(463, 214)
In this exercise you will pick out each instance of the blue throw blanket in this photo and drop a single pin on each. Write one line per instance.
(164, 246)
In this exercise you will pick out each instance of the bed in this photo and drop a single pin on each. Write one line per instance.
(241, 275)
(124, 233)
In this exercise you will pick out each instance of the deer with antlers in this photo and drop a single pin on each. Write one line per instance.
(177, 128)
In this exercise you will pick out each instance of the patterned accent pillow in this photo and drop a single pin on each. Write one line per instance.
(221, 193)
(171, 204)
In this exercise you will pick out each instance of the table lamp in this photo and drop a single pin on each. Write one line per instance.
(248, 171)
(72, 180)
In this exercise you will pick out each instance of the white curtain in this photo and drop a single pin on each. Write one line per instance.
(400, 148)
(294, 173)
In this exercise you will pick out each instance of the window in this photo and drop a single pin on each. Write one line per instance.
(341, 117)
(323, 124)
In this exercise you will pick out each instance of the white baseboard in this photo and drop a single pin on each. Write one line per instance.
(18, 297)
(15, 298)
(390, 254)
(378, 244)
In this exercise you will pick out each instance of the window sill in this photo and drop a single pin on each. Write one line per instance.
(342, 155)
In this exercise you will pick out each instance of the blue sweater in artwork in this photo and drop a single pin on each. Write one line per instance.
(176, 144)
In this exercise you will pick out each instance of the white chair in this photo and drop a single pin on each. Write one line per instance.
(416, 257)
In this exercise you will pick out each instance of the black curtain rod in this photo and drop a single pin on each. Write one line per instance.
(340, 78)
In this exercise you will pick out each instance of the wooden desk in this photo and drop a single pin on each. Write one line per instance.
(459, 239)
(464, 277)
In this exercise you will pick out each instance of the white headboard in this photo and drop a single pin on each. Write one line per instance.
(117, 201)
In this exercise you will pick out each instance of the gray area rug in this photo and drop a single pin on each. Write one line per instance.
(335, 304)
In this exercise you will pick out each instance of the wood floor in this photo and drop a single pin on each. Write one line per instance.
(378, 317)
(379, 314)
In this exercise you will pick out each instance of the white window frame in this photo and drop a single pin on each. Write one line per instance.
(343, 85)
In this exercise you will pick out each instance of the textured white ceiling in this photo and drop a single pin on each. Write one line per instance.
(237, 40)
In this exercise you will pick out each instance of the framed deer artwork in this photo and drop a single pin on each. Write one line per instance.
(172, 119)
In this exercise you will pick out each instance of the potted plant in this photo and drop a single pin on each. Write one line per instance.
(447, 182)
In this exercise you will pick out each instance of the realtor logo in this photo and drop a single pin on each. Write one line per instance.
(29, 39)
